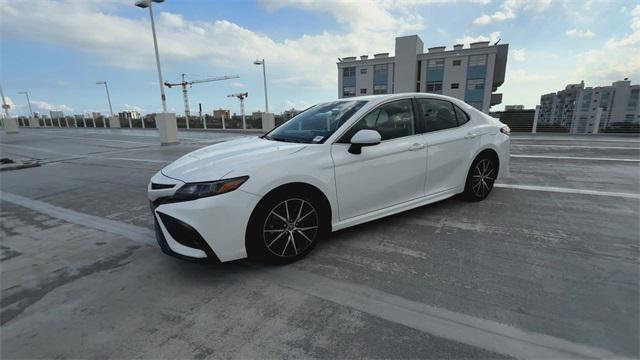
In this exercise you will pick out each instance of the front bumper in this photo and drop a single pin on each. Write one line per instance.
(209, 228)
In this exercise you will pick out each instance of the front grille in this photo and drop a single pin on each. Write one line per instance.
(155, 186)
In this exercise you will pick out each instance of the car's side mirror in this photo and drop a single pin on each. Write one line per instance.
(364, 138)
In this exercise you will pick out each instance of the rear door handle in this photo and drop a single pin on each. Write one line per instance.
(416, 147)
(470, 135)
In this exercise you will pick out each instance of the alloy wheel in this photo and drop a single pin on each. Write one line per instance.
(483, 178)
(290, 228)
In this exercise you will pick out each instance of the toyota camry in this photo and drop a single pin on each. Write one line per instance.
(335, 165)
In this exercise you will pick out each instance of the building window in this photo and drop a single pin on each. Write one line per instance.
(363, 71)
(455, 85)
(457, 62)
(628, 117)
(379, 89)
(633, 99)
(349, 72)
(363, 91)
(380, 69)
(434, 86)
(475, 84)
(349, 91)
(435, 64)
(477, 60)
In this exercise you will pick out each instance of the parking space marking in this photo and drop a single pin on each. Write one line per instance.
(577, 146)
(573, 158)
(83, 156)
(440, 322)
(136, 233)
(575, 139)
(567, 190)
(49, 134)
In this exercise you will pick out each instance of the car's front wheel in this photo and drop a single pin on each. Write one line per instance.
(481, 177)
(285, 227)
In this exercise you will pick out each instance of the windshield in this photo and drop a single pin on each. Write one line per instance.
(317, 123)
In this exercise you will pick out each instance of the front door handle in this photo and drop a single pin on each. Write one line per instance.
(416, 147)
(470, 135)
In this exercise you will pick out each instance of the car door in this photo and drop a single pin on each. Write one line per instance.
(450, 143)
(385, 174)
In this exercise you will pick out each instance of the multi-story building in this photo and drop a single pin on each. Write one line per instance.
(591, 109)
(56, 114)
(471, 74)
(220, 113)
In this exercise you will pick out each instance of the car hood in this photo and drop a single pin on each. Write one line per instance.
(215, 161)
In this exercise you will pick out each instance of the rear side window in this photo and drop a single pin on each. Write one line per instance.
(461, 116)
(437, 114)
(392, 120)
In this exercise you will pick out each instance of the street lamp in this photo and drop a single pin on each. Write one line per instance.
(264, 77)
(26, 93)
(147, 4)
(106, 87)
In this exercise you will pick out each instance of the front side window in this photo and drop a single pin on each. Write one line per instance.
(437, 114)
(317, 123)
(392, 120)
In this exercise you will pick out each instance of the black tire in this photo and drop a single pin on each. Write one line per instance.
(273, 240)
(481, 177)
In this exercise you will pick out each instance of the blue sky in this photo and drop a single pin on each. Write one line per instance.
(57, 50)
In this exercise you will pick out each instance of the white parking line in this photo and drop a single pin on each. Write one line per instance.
(576, 146)
(567, 190)
(82, 156)
(49, 134)
(515, 138)
(440, 322)
(573, 158)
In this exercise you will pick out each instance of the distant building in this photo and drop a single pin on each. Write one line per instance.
(96, 115)
(591, 109)
(220, 113)
(129, 115)
(516, 117)
(470, 74)
(288, 114)
(513, 107)
(56, 114)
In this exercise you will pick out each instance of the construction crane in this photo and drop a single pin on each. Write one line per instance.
(241, 97)
(184, 84)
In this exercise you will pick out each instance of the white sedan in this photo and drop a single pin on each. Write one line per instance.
(335, 165)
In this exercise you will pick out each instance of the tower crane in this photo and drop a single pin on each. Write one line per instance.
(241, 97)
(184, 84)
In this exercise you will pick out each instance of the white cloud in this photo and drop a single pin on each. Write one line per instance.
(519, 54)
(237, 84)
(493, 37)
(128, 107)
(616, 59)
(510, 9)
(96, 28)
(580, 33)
(43, 106)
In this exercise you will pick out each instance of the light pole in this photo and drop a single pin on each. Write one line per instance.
(264, 78)
(165, 122)
(10, 125)
(147, 4)
(26, 93)
(106, 87)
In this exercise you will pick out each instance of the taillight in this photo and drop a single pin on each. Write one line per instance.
(505, 130)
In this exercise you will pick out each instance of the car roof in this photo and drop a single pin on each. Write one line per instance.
(376, 99)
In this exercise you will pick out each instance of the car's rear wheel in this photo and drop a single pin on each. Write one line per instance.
(481, 177)
(285, 227)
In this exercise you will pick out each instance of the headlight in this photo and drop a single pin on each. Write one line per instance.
(205, 189)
